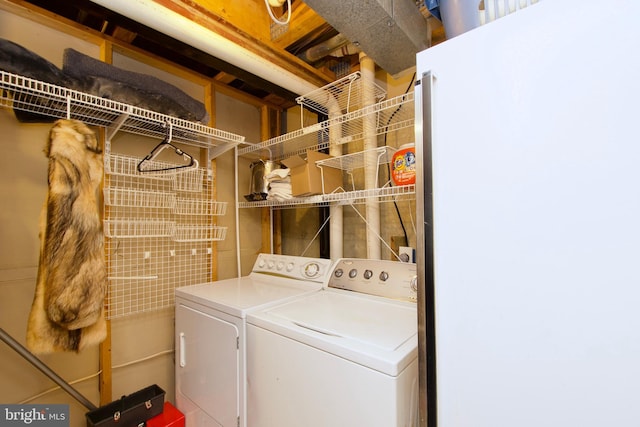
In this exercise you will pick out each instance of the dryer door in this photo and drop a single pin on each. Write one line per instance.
(207, 365)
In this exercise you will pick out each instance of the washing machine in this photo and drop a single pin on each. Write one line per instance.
(210, 334)
(342, 357)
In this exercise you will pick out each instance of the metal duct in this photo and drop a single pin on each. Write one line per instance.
(390, 32)
(324, 49)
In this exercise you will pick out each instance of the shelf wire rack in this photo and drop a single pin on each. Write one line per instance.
(160, 234)
(139, 198)
(45, 99)
(342, 96)
(387, 116)
(382, 195)
(394, 115)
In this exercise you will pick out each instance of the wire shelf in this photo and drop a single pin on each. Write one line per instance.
(349, 162)
(383, 194)
(189, 180)
(26, 94)
(116, 164)
(138, 198)
(378, 120)
(126, 229)
(199, 233)
(199, 207)
(342, 96)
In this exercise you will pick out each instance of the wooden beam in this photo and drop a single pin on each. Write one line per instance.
(104, 355)
(247, 16)
(264, 48)
(49, 19)
(210, 103)
(224, 78)
(124, 35)
(303, 21)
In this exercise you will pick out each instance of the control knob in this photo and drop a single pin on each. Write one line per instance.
(311, 270)
(414, 284)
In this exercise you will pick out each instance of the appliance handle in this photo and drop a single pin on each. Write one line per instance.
(182, 357)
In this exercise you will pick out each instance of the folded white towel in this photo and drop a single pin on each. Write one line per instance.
(279, 191)
(280, 183)
(279, 196)
(277, 184)
(277, 174)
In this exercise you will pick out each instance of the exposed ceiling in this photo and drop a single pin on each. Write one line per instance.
(248, 23)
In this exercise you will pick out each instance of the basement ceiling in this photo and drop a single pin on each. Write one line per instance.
(247, 22)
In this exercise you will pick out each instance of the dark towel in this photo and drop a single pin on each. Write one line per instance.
(16, 59)
(88, 75)
(78, 65)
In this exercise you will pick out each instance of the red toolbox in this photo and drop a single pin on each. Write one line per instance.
(170, 417)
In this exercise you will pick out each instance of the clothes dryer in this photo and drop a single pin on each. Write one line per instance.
(210, 334)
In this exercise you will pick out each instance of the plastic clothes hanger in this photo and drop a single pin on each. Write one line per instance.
(166, 143)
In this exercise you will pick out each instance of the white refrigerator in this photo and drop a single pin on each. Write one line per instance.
(528, 140)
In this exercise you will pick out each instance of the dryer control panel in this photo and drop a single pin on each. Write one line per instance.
(295, 267)
(389, 279)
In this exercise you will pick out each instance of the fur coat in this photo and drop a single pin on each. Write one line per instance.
(67, 310)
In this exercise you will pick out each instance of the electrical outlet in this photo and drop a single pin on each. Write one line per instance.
(407, 254)
(396, 243)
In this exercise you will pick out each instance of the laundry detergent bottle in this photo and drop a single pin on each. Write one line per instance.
(403, 165)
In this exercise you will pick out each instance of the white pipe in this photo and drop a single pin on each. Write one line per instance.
(367, 69)
(336, 227)
(158, 17)
(336, 221)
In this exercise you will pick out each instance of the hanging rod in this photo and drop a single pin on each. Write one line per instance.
(22, 351)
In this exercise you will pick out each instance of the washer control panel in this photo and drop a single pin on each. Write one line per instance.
(390, 279)
(294, 267)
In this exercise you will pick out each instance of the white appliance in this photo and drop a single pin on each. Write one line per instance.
(529, 141)
(210, 334)
(342, 357)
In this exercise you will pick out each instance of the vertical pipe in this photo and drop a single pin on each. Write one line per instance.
(367, 68)
(336, 225)
(336, 222)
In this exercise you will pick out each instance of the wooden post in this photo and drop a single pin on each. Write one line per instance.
(210, 103)
(106, 379)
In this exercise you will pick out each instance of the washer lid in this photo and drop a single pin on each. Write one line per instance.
(236, 296)
(376, 332)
